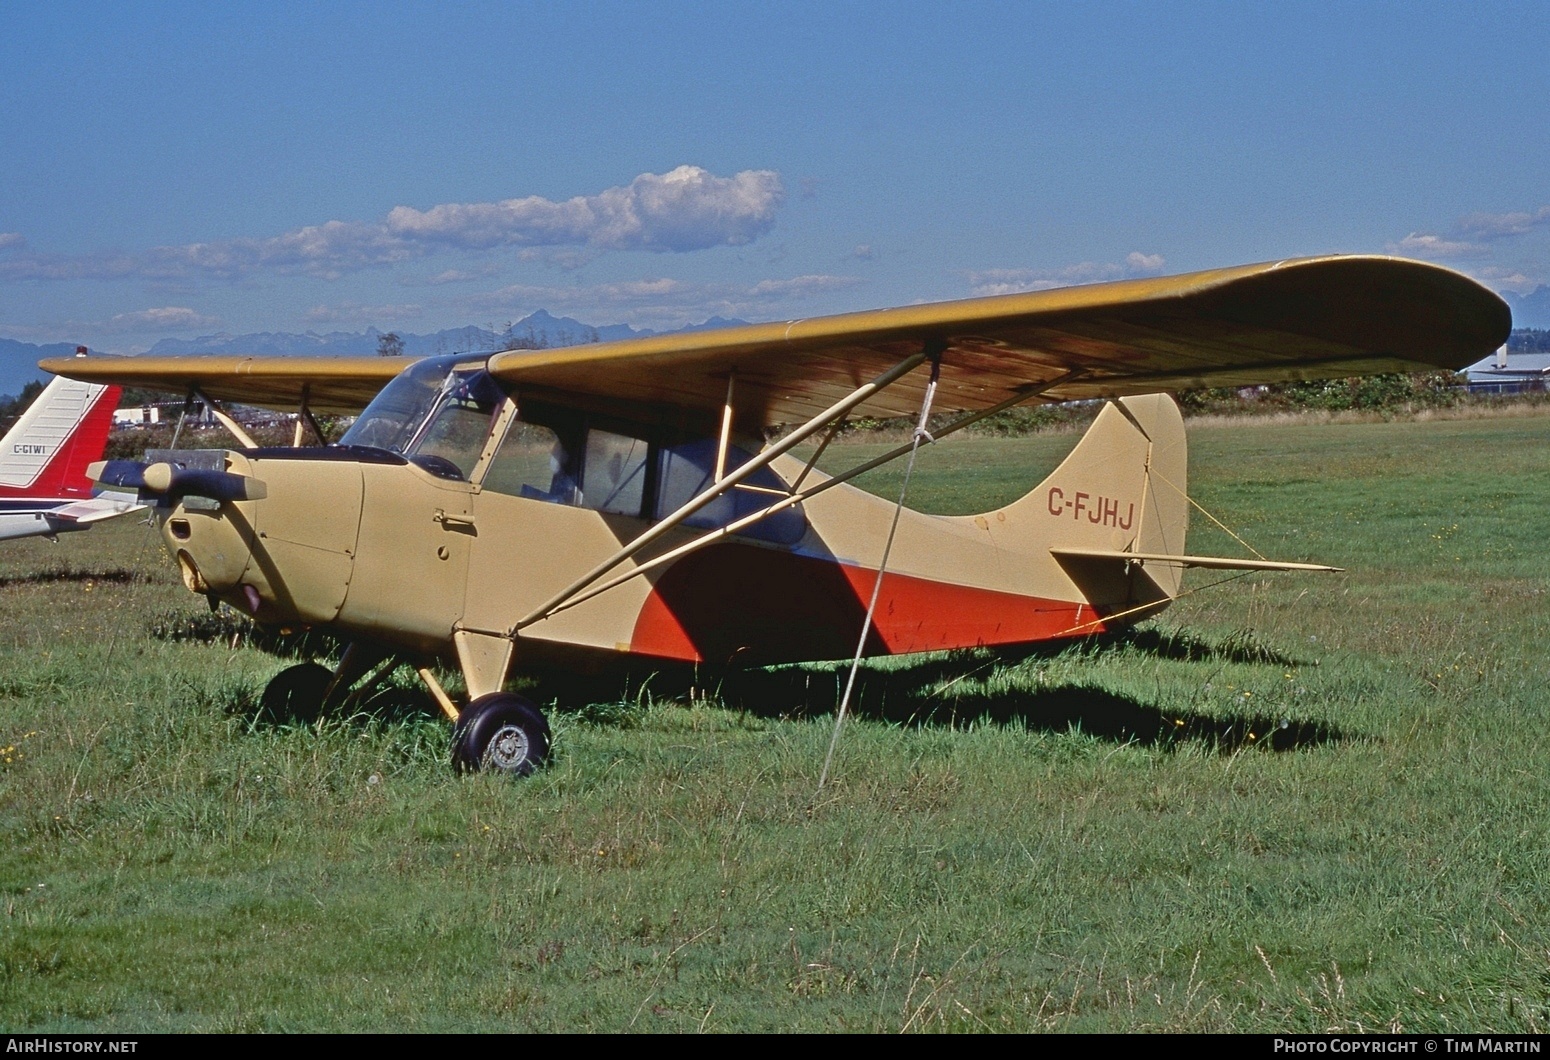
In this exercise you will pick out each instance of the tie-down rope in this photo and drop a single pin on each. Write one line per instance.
(866, 625)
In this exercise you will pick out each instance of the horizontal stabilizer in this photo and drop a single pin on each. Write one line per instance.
(102, 506)
(1209, 562)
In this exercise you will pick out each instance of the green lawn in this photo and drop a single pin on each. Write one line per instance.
(1295, 802)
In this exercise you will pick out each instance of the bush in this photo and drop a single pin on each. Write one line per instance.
(1395, 392)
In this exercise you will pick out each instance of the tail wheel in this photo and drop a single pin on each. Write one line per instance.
(500, 732)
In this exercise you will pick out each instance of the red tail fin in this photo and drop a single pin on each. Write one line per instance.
(66, 428)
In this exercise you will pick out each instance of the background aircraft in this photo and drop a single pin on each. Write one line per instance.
(44, 489)
(554, 507)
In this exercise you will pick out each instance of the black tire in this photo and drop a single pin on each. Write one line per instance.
(296, 693)
(500, 732)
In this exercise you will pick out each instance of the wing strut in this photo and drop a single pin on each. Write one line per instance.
(727, 482)
(301, 421)
(796, 497)
(226, 421)
(188, 406)
(725, 439)
(305, 418)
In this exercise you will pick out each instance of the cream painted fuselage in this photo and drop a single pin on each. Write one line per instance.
(376, 547)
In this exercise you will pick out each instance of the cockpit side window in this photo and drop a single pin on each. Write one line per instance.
(563, 456)
(686, 470)
(534, 461)
(613, 479)
(453, 440)
(556, 454)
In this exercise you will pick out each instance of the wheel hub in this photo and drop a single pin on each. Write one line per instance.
(509, 749)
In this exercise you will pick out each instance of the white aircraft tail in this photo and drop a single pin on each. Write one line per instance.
(62, 431)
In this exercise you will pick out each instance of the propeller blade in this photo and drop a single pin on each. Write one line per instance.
(171, 481)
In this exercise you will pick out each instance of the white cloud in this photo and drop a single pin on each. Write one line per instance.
(34, 266)
(164, 318)
(1501, 225)
(987, 282)
(12, 240)
(1422, 245)
(355, 313)
(1475, 236)
(663, 302)
(863, 252)
(686, 209)
(1510, 279)
(566, 259)
(683, 210)
(447, 276)
(802, 286)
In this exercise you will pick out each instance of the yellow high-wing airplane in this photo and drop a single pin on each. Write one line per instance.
(531, 508)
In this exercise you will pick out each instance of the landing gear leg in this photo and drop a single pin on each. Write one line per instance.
(300, 693)
(497, 730)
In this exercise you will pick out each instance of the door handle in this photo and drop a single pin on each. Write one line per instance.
(453, 522)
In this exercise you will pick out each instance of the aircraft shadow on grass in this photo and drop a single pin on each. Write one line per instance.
(900, 699)
(946, 690)
(931, 690)
(53, 575)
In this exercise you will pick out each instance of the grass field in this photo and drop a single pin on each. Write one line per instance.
(1295, 802)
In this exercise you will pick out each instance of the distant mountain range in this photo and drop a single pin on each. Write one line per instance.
(19, 363)
(1530, 310)
(541, 329)
(19, 360)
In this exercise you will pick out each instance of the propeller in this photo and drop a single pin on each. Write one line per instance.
(172, 481)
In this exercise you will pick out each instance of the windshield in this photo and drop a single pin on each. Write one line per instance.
(453, 436)
(395, 415)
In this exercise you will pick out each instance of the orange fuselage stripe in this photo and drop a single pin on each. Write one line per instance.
(771, 607)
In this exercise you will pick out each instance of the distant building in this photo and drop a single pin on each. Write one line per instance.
(1509, 373)
(161, 412)
(143, 416)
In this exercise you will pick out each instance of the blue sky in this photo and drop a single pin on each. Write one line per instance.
(178, 170)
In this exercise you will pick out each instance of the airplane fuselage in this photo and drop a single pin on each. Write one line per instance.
(376, 546)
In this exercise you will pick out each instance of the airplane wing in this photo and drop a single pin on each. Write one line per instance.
(1309, 318)
(1312, 318)
(334, 386)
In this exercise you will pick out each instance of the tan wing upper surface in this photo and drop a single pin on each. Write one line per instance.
(1310, 318)
(333, 385)
(1306, 319)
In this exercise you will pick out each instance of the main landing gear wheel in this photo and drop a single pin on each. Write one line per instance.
(500, 732)
(296, 693)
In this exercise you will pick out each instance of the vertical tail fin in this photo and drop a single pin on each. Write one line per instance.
(1122, 489)
(66, 428)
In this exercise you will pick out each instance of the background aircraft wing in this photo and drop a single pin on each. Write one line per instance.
(1311, 318)
(338, 386)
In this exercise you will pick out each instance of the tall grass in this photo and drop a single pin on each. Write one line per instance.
(1293, 803)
